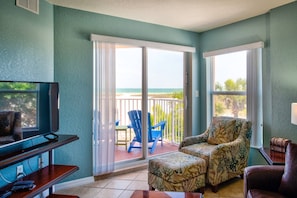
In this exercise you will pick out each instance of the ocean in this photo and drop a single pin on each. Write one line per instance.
(150, 90)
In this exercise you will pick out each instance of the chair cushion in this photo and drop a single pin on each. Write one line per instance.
(221, 131)
(202, 150)
(177, 167)
(6, 123)
(289, 178)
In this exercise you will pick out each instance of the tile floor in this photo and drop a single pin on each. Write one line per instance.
(122, 186)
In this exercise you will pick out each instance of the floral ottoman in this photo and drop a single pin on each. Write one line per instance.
(177, 172)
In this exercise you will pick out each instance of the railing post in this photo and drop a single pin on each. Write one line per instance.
(172, 123)
(126, 104)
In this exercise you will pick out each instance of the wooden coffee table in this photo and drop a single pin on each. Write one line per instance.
(164, 194)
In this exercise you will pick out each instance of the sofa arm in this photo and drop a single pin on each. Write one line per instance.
(194, 139)
(262, 177)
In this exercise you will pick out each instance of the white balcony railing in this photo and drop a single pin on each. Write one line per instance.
(170, 110)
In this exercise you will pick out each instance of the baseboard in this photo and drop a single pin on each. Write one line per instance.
(87, 180)
(73, 183)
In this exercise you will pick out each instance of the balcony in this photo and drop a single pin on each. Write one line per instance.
(168, 109)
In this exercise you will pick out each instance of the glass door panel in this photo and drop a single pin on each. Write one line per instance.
(165, 96)
(164, 74)
(128, 97)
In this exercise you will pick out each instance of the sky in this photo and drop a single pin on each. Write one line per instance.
(235, 62)
(165, 68)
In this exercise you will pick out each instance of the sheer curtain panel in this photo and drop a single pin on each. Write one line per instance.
(103, 107)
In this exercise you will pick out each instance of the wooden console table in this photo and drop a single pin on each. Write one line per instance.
(46, 177)
(273, 157)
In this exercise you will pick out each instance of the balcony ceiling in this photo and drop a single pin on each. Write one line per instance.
(192, 15)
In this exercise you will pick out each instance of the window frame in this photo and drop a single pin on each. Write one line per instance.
(253, 91)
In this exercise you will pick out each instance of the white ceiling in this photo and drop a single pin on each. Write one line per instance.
(192, 15)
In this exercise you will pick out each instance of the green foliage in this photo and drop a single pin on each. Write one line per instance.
(178, 95)
(231, 104)
(174, 119)
(17, 86)
(21, 97)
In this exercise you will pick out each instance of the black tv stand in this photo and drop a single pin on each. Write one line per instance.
(46, 177)
(51, 137)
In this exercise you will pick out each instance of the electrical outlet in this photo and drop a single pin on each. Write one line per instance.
(20, 171)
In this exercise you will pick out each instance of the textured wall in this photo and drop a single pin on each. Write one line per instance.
(26, 53)
(73, 69)
(283, 70)
(26, 43)
(278, 30)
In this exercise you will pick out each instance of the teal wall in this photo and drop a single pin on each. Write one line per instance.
(283, 30)
(278, 30)
(54, 45)
(26, 43)
(73, 70)
(26, 53)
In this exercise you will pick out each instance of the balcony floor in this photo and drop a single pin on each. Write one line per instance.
(122, 154)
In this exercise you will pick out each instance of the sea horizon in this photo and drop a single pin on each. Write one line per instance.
(150, 90)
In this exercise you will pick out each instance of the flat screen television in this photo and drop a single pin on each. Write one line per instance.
(31, 107)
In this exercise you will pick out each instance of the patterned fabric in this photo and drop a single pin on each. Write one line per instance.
(189, 185)
(224, 161)
(177, 172)
(221, 131)
(204, 148)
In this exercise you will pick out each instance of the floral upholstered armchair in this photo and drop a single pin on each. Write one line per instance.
(224, 146)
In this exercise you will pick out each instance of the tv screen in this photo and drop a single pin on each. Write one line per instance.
(28, 109)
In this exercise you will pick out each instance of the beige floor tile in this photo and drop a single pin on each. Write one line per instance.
(82, 192)
(138, 185)
(99, 184)
(126, 194)
(142, 176)
(124, 185)
(118, 184)
(131, 176)
(108, 193)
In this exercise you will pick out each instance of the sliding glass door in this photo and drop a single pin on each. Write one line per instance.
(128, 77)
(149, 80)
(147, 77)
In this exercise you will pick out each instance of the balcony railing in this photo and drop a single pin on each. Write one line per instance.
(170, 110)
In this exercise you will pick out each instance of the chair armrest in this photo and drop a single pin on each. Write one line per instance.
(160, 124)
(194, 139)
(228, 159)
(263, 177)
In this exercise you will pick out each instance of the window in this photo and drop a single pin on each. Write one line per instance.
(228, 90)
(234, 85)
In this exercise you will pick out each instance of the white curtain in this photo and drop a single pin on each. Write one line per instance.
(103, 107)
(254, 95)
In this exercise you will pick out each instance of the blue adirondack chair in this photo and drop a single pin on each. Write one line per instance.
(155, 133)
